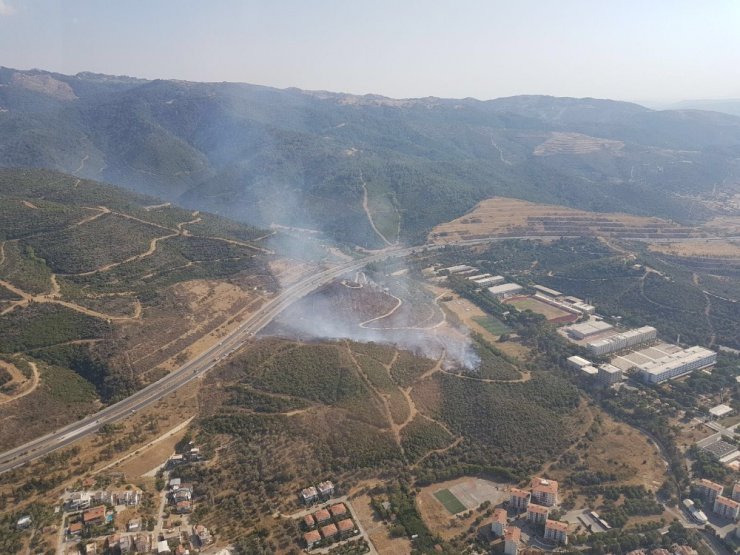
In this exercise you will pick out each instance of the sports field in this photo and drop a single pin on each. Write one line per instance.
(450, 502)
(530, 303)
(491, 324)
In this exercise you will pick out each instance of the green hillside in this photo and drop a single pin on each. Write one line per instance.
(307, 159)
(94, 284)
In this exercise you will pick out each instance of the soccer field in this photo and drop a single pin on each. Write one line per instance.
(491, 324)
(450, 502)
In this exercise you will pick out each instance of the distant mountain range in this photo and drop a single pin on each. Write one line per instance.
(728, 106)
(364, 169)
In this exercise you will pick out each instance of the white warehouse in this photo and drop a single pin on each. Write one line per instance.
(504, 290)
(677, 364)
(624, 340)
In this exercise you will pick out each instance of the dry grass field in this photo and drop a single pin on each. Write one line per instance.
(501, 216)
(548, 311)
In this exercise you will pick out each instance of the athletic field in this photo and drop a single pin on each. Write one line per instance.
(450, 502)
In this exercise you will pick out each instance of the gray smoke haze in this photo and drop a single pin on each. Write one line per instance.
(320, 316)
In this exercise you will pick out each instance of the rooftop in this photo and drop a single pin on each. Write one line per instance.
(556, 525)
(94, 514)
(345, 525)
(312, 537)
(710, 485)
(727, 502)
(513, 534)
(544, 485)
(500, 515)
(537, 509)
(516, 492)
(338, 509)
(321, 515)
(329, 530)
(720, 410)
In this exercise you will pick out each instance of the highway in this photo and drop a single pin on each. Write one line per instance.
(196, 368)
(191, 370)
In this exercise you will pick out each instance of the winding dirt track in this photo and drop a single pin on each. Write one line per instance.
(35, 380)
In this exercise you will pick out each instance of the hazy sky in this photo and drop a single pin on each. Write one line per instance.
(645, 50)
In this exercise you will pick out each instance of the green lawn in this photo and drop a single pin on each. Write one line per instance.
(450, 502)
(491, 324)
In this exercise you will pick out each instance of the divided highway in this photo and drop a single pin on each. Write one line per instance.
(190, 371)
(195, 368)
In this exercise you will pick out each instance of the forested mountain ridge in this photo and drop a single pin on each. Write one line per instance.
(365, 169)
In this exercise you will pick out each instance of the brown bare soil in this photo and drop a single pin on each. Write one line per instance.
(501, 216)
(621, 450)
(377, 530)
(713, 249)
(576, 143)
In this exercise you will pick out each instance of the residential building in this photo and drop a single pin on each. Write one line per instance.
(326, 489)
(338, 510)
(683, 550)
(163, 547)
(512, 537)
(74, 529)
(505, 290)
(201, 535)
(143, 543)
(709, 490)
(175, 483)
(500, 520)
(537, 514)
(79, 501)
(94, 516)
(23, 522)
(660, 551)
(726, 507)
(312, 538)
(329, 531)
(125, 544)
(309, 495)
(736, 491)
(544, 492)
(184, 507)
(91, 548)
(309, 522)
(556, 531)
(346, 527)
(321, 516)
(134, 525)
(519, 499)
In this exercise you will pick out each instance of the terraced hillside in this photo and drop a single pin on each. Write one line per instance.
(511, 217)
(104, 291)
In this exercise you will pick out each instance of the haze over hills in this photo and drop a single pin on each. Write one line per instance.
(366, 170)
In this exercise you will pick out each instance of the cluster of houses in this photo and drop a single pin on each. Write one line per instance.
(193, 454)
(675, 550)
(143, 543)
(81, 500)
(330, 523)
(92, 517)
(180, 496)
(536, 503)
(724, 507)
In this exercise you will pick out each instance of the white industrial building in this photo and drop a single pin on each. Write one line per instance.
(548, 291)
(609, 374)
(458, 269)
(476, 277)
(587, 329)
(621, 341)
(577, 362)
(490, 281)
(505, 290)
(676, 364)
